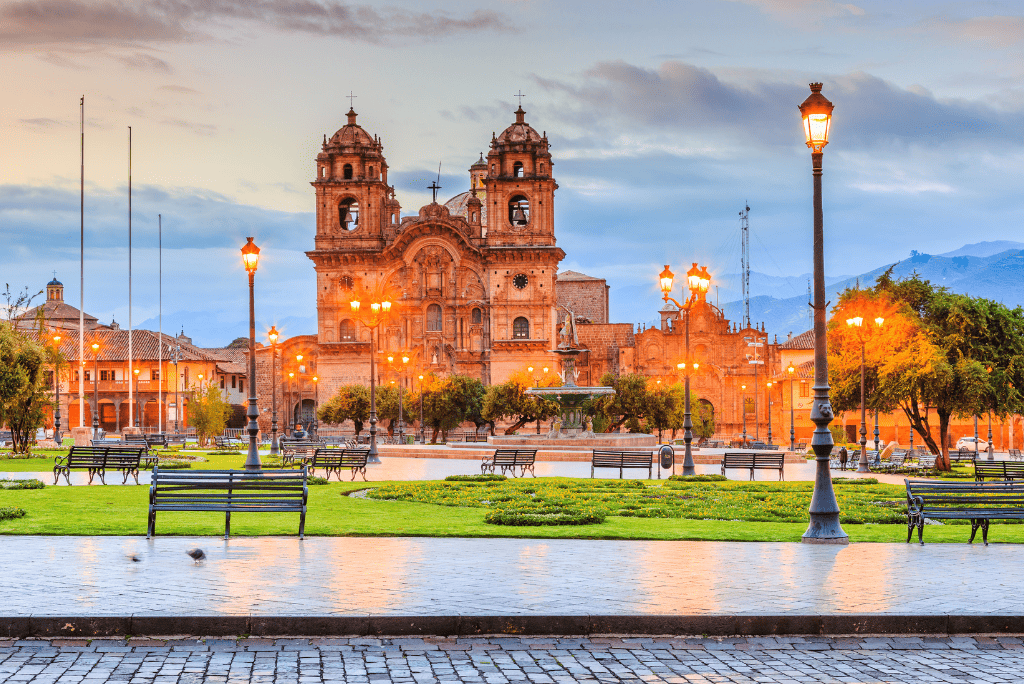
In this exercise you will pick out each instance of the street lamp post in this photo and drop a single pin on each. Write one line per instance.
(316, 406)
(401, 399)
(298, 367)
(769, 384)
(95, 390)
(250, 258)
(824, 527)
(175, 358)
(377, 314)
(858, 323)
(290, 424)
(56, 390)
(792, 423)
(743, 403)
(137, 411)
(698, 280)
(272, 335)
(975, 437)
(422, 434)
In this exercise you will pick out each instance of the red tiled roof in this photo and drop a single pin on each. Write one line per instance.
(804, 340)
(575, 276)
(114, 346)
(56, 310)
(805, 371)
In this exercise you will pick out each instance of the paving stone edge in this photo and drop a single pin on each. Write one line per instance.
(519, 625)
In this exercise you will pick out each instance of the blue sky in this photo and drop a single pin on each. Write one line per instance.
(664, 118)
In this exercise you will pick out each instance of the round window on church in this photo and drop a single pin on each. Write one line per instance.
(520, 281)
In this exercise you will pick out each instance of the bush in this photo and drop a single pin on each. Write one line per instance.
(854, 480)
(11, 512)
(489, 477)
(21, 484)
(174, 465)
(315, 480)
(544, 515)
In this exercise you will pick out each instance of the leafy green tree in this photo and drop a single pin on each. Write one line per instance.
(449, 401)
(630, 403)
(510, 400)
(959, 355)
(208, 412)
(350, 402)
(703, 419)
(387, 405)
(23, 390)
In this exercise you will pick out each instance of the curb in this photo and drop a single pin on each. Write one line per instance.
(519, 625)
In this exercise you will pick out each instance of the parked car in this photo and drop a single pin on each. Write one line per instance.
(968, 443)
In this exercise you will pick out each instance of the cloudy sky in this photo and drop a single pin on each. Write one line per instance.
(664, 118)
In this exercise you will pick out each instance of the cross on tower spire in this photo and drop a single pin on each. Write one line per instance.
(520, 96)
(54, 275)
(351, 97)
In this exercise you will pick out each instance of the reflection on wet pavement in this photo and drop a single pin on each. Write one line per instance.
(420, 576)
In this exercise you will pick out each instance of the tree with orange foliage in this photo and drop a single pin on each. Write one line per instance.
(961, 356)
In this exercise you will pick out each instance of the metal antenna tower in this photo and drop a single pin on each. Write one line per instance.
(745, 262)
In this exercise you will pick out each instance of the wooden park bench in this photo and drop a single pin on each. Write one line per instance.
(227, 492)
(97, 460)
(510, 459)
(752, 462)
(157, 439)
(962, 454)
(298, 450)
(979, 502)
(999, 470)
(334, 459)
(622, 460)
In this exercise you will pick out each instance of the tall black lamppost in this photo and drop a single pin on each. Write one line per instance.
(698, 280)
(138, 418)
(824, 527)
(769, 384)
(272, 335)
(56, 388)
(373, 316)
(250, 258)
(791, 369)
(95, 390)
(289, 425)
(175, 358)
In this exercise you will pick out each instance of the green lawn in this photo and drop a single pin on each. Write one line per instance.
(121, 510)
(214, 460)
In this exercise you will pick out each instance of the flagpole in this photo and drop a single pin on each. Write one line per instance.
(81, 275)
(131, 397)
(160, 325)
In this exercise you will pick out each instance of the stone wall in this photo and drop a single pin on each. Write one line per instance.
(586, 298)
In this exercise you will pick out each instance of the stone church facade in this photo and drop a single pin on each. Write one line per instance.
(474, 279)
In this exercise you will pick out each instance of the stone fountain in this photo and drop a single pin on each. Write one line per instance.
(574, 428)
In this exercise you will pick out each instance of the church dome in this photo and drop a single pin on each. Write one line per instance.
(520, 131)
(351, 135)
(55, 282)
(459, 205)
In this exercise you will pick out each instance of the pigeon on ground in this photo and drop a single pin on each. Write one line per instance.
(133, 558)
(196, 554)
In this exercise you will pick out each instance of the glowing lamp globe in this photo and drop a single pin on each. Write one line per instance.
(816, 111)
(666, 278)
(250, 255)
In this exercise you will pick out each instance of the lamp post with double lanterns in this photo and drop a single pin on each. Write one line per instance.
(298, 418)
(422, 433)
(743, 403)
(791, 369)
(290, 424)
(769, 385)
(272, 335)
(314, 426)
(250, 259)
(398, 363)
(856, 323)
(377, 311)
(698, 280)
(824, 527)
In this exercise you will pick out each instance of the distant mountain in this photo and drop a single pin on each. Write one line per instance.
(984, 249)
(997, 276)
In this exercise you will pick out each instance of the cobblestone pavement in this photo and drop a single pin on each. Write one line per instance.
(502, 659)
(97, 576)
